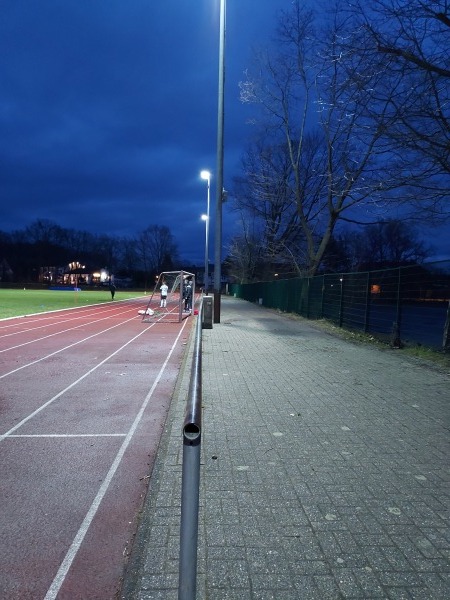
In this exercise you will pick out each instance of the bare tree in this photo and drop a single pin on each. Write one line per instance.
(320, 98)
(388, 243)
(156, 249)
(246, 252)
(263, 196)
(128, 254)
(44, 231)
(412, 39)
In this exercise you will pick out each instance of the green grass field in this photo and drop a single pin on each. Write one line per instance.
(14, 303)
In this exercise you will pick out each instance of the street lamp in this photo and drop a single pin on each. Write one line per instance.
(219, 172)
(207, 176)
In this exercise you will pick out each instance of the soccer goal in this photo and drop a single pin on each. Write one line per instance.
(172, 298)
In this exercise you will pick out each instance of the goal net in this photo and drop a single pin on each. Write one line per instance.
(172, 298)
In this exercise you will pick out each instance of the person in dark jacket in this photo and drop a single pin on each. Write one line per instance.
(112, 289)
(187, 295)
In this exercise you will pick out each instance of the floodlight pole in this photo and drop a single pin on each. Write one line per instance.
(207, 175)
(219, 179)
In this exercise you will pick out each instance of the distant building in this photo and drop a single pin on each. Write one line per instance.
(74, 274)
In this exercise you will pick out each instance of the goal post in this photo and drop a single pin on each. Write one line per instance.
(172, 298)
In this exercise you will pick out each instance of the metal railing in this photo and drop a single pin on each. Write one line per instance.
(190, 487)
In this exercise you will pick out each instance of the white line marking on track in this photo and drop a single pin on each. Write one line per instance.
(5, 323)
(38, 410)
(58, 333)
(75, 546)
(65, 435)
(44, 321)
(67, 347)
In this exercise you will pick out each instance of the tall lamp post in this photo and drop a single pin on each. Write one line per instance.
(219, 174)
(207, 176)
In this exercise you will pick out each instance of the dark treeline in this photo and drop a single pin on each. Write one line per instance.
(25, 254)
(350, 122)
(390, 243)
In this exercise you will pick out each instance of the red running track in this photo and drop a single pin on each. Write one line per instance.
(84, 395)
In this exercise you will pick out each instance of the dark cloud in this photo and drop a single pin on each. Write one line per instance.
(108, 110)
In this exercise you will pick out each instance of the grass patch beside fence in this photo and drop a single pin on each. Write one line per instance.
(19, 302)
(426, 356)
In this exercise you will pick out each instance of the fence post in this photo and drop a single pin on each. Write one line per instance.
(308, 296)
(368, 299)
(322, 299)
(341, 302)
(396, 327)
(446, 339)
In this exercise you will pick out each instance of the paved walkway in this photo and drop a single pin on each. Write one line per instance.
(325, 470)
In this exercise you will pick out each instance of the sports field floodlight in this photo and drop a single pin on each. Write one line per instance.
(207, 176)
(219, 170)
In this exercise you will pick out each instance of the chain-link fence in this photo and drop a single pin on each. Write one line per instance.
(405, 305)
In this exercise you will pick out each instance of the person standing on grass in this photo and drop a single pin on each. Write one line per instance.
(163, 289)
(112, 289)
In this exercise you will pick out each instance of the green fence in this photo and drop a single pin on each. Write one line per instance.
(406, 305)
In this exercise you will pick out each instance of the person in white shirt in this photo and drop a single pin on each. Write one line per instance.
(164, 289)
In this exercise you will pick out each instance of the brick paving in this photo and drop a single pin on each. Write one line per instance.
(325, 470)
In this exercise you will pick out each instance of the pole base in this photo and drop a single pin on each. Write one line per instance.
(217, 307)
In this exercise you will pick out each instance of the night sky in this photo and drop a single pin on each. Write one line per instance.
(108, 111)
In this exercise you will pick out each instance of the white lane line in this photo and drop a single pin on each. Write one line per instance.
(53, 322)
(5, 322)
(67, 347)
(75, 546)
(57, 333)
(65, 435)
(38, 410)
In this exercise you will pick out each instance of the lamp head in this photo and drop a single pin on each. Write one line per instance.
(205, 175)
